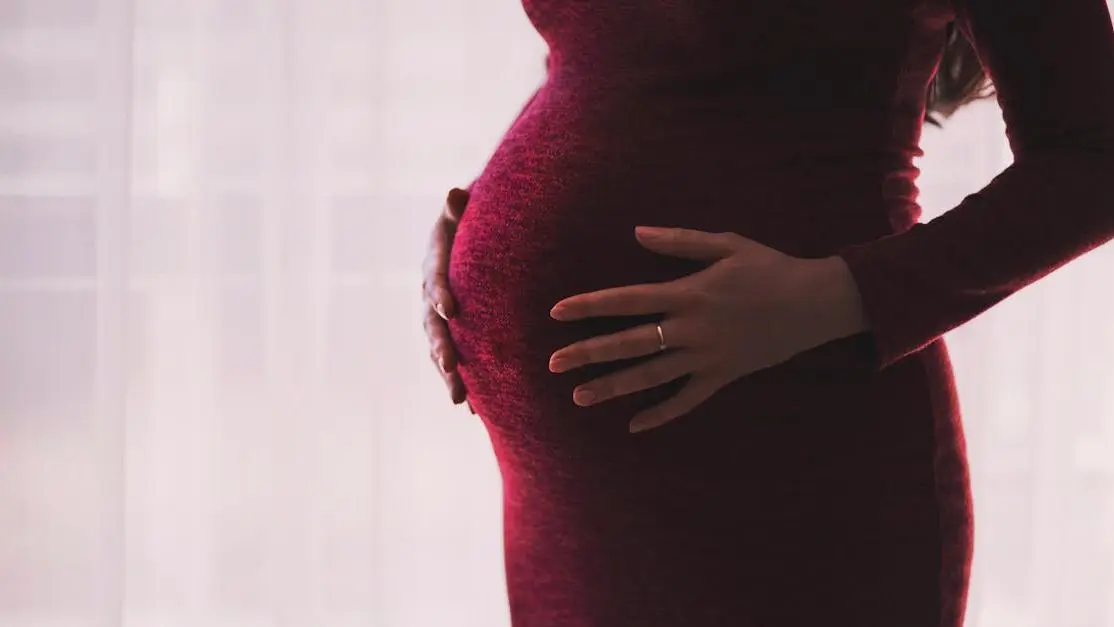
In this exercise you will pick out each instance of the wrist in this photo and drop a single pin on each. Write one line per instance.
(835, 304)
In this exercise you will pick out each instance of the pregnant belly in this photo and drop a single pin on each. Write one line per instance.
(553, 215)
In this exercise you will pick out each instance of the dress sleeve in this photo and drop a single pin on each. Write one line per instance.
(1052, 64)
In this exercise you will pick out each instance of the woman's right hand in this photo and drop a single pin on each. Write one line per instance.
(439, 301)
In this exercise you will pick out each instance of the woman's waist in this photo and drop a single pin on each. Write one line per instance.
(752, 122)
(520, 249)
(562, 172)
(594, 207)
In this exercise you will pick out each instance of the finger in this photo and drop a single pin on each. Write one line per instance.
(688, 243)
(441, 349)
(626, 344)
(455, 202)
(435, 286)
(444, 356)
(454, 384)
(631, 300)
(438, 298)
(658, 371)
(695, 392)
(456, 387)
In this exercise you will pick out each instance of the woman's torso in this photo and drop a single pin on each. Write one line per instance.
(794, 123)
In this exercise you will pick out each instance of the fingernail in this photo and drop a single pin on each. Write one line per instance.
(441, 311)
(470, 408)
(583, 397)
(557, 365)
(648, 232)
(637, 426)
(443, 365)
(557, 312)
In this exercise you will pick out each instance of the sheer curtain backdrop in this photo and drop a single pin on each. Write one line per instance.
(216, 406)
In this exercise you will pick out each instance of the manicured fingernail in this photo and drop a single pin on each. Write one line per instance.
(648, 232)
(441, 311)
(557, 364)
(558, 312)
(583, 397)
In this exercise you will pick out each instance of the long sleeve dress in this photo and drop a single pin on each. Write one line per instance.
(831, 489)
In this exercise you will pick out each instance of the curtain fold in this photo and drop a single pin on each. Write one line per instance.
(216, 406)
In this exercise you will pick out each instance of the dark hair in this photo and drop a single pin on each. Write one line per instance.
(960, 80)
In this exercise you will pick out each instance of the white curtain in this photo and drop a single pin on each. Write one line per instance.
(216, 406)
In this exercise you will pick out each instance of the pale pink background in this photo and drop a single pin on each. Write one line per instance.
(216, 407)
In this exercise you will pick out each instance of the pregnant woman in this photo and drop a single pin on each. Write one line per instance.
(744, 415)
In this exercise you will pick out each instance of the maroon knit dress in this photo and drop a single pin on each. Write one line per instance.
(831, 490)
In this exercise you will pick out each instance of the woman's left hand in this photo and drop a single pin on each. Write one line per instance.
(753, 307)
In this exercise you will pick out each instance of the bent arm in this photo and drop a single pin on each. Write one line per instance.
(1052, 63)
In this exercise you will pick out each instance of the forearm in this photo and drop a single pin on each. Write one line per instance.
(1053, 67)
